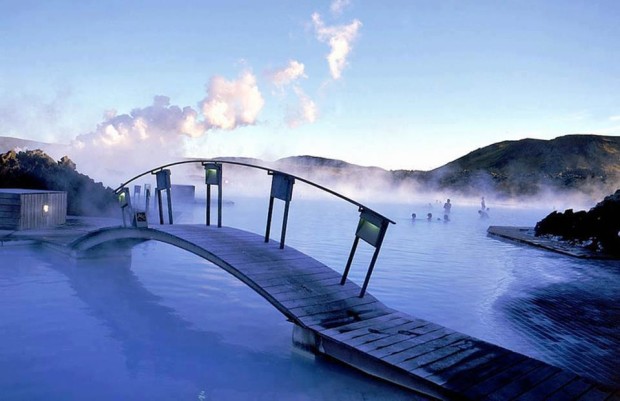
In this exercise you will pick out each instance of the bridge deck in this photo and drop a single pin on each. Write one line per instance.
(363, 332)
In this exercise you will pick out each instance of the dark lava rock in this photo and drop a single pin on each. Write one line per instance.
(599, 227)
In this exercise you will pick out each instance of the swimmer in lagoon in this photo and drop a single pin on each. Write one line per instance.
(446, 207)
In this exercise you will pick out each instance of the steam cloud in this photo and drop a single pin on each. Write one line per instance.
(305, 111)
(232, 103)
(340, 39)
(157, 133)
(338, 6)
(289, 74)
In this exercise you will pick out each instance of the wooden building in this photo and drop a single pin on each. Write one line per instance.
(23, 209)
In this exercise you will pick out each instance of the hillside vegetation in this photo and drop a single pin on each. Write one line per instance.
(527, 166)
(34, 169)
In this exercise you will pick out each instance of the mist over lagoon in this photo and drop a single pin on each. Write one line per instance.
(163, 323)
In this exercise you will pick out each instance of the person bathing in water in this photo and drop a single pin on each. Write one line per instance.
(446, 207)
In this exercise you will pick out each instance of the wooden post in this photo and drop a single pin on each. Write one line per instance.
(219, 202)
(159, 203)
(348, 267)
(285, 220)
(169, 205)
(269, 214)
(208, 204)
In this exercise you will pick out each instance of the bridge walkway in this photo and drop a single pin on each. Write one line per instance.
(363, 332)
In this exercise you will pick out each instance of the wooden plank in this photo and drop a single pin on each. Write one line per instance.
(341, 306)
(548, 386)
(398, 341)
(492, 384)
(309, 301)
(614, 397)
(461, 381)
(320, 322)
(378, 336)
(595, 393)
(524, 383)
(412, 347)
(313, 291)
(296, 281)
(487, 355)
(266, 271)
(310, 279)
(570, 391)
(383, 327)
(361, 324)
(430, 370)
(436, 350)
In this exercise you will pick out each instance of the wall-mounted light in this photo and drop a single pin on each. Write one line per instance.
(213, 172)
(163, 179)
(371, 228)
(123, 197)
(46, 208)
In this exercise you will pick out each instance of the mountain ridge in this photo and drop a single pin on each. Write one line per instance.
(580, 162)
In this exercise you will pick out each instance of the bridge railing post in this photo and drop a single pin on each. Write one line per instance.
(147, 198)
(213, 176)
(163, 184)
(281, 188)
(124, 202)
(371, 228)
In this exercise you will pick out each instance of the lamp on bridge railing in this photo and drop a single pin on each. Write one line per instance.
(124, 202)
(163, 183)
(281, 188)
(213, 176)
(371, 228)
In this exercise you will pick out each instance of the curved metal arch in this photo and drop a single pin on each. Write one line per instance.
(268, 170)
(82, 245)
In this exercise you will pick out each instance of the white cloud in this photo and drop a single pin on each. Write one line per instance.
(340, 39)
(614, 118)
(338, 6)
(305, 112)
(285, 76)
(230, 104)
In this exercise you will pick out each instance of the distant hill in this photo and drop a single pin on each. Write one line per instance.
(588, 164)
(528, 166)
(53, 149)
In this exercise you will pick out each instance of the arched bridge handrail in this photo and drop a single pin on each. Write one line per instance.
(371, 227)
(269, 170)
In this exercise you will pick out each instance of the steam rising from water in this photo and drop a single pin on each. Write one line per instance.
(125, 144)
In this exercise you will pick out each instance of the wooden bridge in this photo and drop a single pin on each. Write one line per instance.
(335, 317)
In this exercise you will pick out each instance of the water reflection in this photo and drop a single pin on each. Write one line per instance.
(162, 324)
(162, 354)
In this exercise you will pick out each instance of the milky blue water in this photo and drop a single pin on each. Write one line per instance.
(160, 323)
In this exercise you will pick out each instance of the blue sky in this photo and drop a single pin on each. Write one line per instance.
(397, 84)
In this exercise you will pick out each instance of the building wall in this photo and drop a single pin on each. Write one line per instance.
(24, 209)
